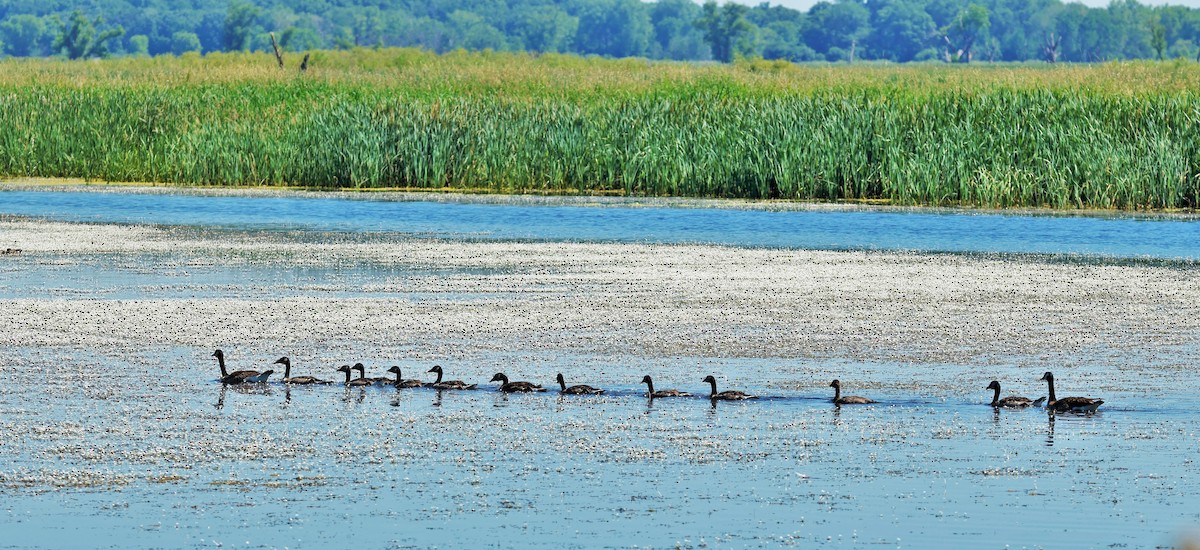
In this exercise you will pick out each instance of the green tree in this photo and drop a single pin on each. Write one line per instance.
(1158, 39)
(23, 35)
(837, 28)
(612, 28)
(183, 42)
(472, 31)
(723, 26)
(300, 39)
(542, 28)
(782, 40)
(902, 29)
(79, 39)
(675, 34)
(240, 25)
(343, 38)
(139, 45)
(962, 34)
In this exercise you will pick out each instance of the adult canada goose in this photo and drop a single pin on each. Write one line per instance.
(729, 395)
(1072, 404)
(1011, 401)
(513, 387)
(582, 389)
(661, 393)
(357, 382)
(378, 381)
(400, 382)
(849, 399)
(448, 384)
(287, 374)
(241, 376)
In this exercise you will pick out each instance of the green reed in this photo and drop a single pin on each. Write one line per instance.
(1117, 136)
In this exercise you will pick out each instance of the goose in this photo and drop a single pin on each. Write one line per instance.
(378, 381)
(448, 384)
(357, 382)
(1072, 404)
(287, 374)
(581, 389)
(729, 395)
(1011, 401)
(849, 399)
(241, 376)
(661, 393)
(512, 387)
(400, 382)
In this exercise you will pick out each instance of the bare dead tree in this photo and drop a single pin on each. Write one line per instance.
(278, 54)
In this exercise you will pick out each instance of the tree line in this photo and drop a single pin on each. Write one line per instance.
(841, 30)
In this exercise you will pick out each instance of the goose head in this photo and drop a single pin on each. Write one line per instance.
(995, 385)
(710, 379)
(219, 354)
(436, 368)
(835, 384)
(499, 377)
(395, 370)
(646, 379)
(284, 361)
(1049, 377)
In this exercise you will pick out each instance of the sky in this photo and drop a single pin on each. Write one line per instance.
(803, 5)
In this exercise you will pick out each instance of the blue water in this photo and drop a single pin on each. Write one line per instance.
(941, 231)
(135, 443)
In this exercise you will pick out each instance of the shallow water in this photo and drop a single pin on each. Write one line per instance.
(177, 461)
(945, 231)
(134, 441)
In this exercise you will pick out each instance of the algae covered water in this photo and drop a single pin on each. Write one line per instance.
(115, 430)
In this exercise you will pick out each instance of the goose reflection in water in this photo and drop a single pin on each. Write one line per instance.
(354, 395)
(242, 389)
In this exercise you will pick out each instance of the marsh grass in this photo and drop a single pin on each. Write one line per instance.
(1113, 136)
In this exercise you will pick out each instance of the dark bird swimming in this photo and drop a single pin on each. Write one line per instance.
(1012, 401)
(1069, 404)
(661, 393)
(729, 395)
(582, 389)
(849, 399)
(241, 376)
(515, 387)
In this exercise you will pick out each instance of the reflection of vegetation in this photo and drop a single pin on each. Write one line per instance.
(1114, 136)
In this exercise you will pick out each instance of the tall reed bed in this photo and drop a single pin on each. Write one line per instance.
(1117, 136)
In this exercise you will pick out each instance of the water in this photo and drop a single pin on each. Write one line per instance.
(174, 461)
(1116, 237)
(110, 440)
